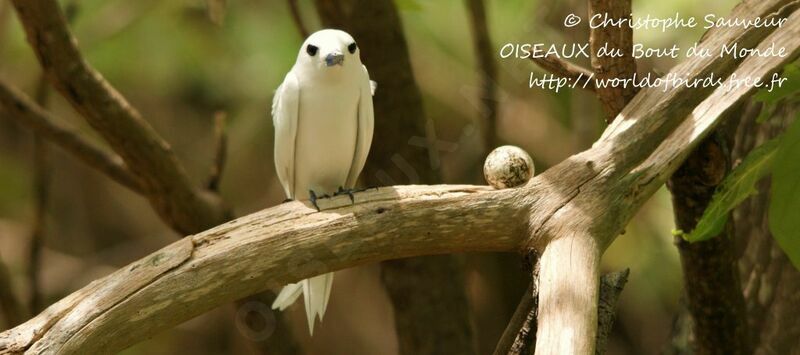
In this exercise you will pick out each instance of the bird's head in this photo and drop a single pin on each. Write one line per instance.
(329, 51)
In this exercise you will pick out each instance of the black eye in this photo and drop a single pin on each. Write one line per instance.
(312, 50)
(352, 47)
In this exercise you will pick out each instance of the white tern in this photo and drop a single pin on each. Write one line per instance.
(323, 119)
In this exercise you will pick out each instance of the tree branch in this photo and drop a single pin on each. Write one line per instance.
(568, 293)
(13, 310)
(592, 194)
(221, 151)
(487, 67)
(520, 333)
(565, 69)
(711, 277)
(184, 207)
(611, 286)
(25, 112)
(613, 98)
(294, 9)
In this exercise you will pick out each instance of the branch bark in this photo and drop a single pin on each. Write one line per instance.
(568, 293)
(520, 333)
(186, 208)
(24, 111)
(613, 98)
(592, 194)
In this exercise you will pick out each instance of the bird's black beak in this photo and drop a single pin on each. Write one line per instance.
(334, 58)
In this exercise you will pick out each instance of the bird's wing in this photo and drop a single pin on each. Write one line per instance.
(285, 107)
(366, 125)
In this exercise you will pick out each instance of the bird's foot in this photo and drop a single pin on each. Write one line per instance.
(312, 196)
(350, 192)
(287, 200)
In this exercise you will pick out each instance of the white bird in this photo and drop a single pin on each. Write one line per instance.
(323, 119)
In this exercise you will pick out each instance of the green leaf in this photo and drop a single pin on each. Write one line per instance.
(784, 208)
(790, 87)
(736, 187)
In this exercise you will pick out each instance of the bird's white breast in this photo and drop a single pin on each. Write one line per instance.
(326, 135)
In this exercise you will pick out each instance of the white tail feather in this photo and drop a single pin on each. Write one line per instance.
(316, 293)
(287, 296)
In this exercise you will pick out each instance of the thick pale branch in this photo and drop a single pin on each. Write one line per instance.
(184, 207)
(268, 249)
(19, 108)
(568, 293)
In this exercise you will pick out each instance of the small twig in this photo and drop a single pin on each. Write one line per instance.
(611, 286)
(13, 310)
(221, 144)
(41, 192)
(22, 110)
(298, 18)
(613, 97)
(42, 173)
(520, 334)
(565, 69)
(488, 70)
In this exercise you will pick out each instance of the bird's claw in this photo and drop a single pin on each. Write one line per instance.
(348, 192)
(313, 198)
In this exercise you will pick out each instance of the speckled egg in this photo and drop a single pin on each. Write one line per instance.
(508, 166)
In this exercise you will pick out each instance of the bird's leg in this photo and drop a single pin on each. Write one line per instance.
(313, 198)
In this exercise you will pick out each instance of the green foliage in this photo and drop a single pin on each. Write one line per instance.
(790, 87)
(736, 187)
(408, 5)
(784, 208)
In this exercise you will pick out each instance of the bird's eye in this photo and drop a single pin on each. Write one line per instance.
(312, 50)
(352, 47)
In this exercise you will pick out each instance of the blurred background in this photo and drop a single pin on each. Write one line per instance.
(180, 69)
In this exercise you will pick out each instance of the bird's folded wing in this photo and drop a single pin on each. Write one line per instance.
(285, 107)
(366, 125)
